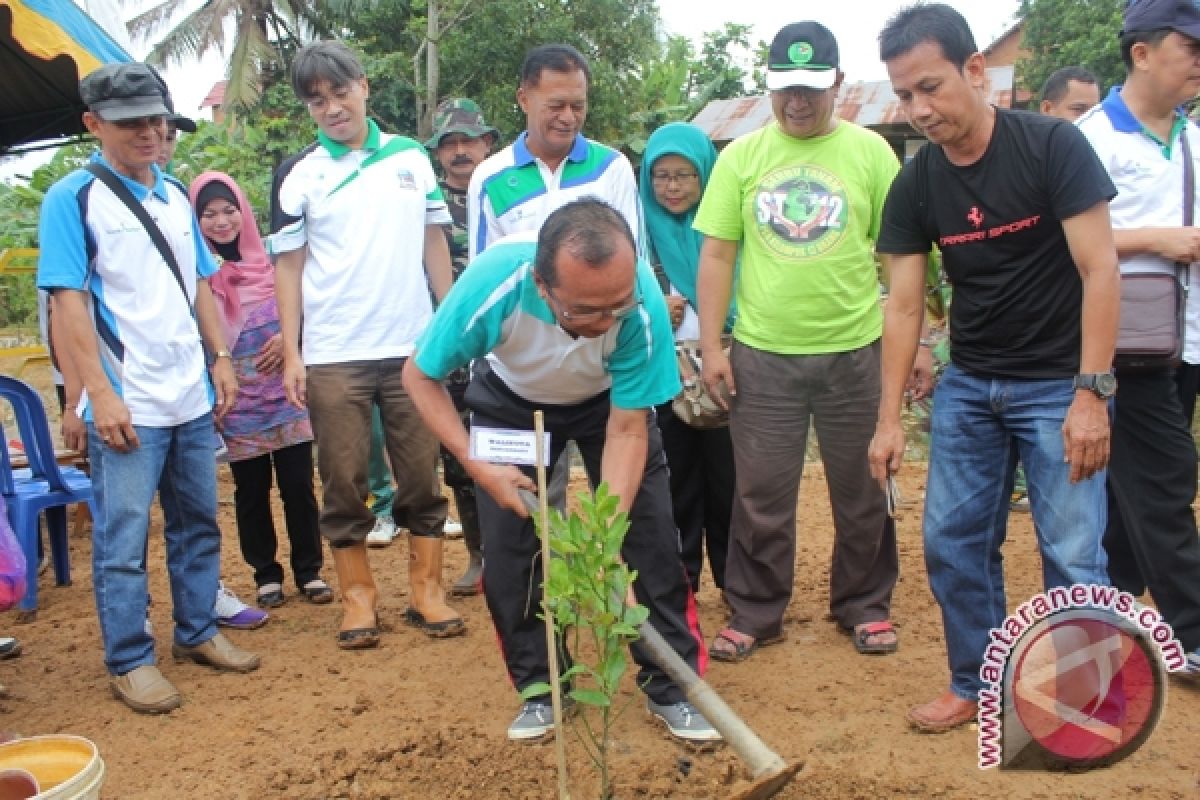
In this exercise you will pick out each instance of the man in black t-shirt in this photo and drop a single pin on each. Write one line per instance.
(1018, 205)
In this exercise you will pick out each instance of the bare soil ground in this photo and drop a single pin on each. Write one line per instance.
(419, 718)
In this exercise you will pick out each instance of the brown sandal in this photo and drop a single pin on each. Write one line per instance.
(741, 648)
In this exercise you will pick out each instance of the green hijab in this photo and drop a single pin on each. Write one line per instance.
(672, 238)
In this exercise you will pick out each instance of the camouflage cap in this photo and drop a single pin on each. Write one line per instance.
(459, 115)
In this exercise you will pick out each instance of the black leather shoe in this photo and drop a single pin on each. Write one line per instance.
(271, 598)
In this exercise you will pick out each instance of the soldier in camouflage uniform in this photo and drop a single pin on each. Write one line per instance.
(460, 141)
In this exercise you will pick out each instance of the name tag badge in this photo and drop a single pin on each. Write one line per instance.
(508, 446)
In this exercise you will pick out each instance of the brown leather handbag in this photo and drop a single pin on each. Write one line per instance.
(1153, 304)
(694, 405)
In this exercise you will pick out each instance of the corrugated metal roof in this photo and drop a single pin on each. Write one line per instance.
(724, 120)
(869, 103)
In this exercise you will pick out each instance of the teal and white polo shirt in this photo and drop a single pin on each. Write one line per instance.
(362, 215)
(513, 192)
(495, 310)
(147, 336)
(1148, 174)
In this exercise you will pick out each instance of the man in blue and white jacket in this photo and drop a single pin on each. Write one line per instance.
(137, 335)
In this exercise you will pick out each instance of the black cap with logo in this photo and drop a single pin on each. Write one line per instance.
(803, 54)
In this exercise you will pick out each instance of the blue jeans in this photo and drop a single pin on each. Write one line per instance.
(980, 427)
(179, 463)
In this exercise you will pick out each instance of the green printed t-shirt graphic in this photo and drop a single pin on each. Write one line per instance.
(806, 212)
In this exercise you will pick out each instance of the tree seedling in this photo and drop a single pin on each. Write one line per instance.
(585, 588)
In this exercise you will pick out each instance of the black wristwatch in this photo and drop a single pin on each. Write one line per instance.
(1103, 384)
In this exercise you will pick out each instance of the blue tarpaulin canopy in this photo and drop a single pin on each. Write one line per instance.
(46, 46)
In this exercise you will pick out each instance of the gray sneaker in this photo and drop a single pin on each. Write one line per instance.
(535, 720)
(684, 721)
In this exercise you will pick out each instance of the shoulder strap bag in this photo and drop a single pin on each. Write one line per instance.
(118, 187)
(1153, 304)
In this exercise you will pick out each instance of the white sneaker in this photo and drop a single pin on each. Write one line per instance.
(383, 533)
(233, 613)
(453, 528)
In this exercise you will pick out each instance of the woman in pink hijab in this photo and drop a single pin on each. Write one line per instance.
(262, 430)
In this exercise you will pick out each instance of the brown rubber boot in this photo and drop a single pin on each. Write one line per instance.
(429, 611)
(468, 584)
(360, 625)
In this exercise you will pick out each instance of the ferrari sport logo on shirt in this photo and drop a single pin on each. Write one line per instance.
(801, 211)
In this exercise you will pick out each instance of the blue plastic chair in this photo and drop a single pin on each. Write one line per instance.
(43, 487)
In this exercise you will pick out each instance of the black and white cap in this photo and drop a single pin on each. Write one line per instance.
(803, 54)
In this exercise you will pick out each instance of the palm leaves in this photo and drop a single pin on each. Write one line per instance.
(261, 33)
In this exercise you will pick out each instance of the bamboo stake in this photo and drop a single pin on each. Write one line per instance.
(560, 749)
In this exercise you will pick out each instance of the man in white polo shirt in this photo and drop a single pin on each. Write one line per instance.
(548, 165)
(137, 321)
(359, 247)
(551, 163)
(575, 326)
(1146, 143)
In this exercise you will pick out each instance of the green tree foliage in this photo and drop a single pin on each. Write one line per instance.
(483, 44)
(265, 34)
(18, 302)
(1064, 33)
(20, 204)
(249, 148)
(393, 94)
(729, 65)
(18, 208)
(677, 84)
(640, 80)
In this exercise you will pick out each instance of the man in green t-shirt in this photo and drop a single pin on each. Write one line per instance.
(801, 200)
